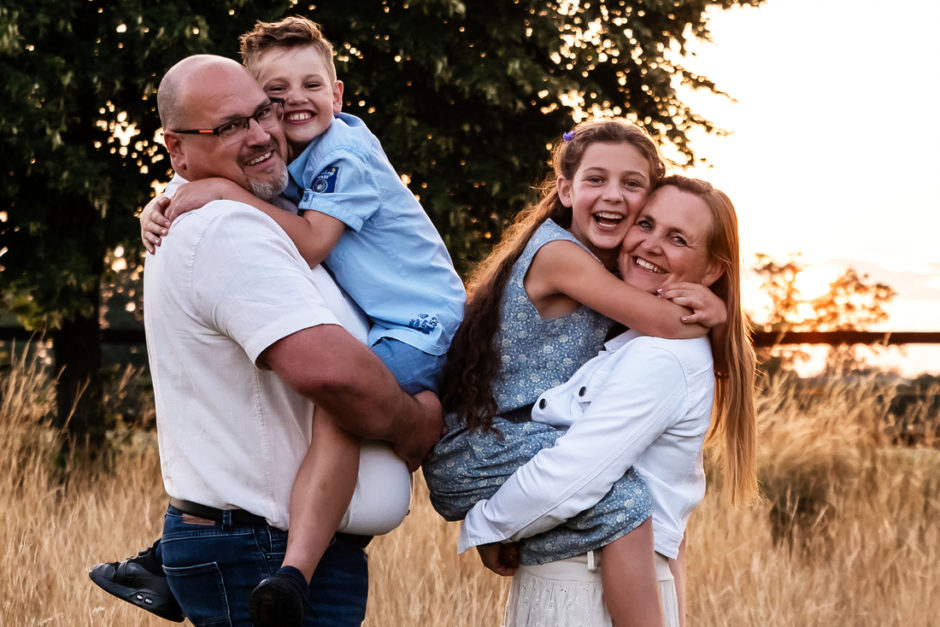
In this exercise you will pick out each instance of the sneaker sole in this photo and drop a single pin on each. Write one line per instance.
(141, 598)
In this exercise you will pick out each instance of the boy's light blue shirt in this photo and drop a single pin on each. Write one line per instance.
(391, 260)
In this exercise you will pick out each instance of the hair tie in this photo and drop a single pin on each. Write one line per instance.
(568, 136)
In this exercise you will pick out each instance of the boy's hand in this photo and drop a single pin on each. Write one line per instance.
(501, 558)
(195, 194)
(153, 224)
(707, 309)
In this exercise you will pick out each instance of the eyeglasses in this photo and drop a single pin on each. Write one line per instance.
(234, 130)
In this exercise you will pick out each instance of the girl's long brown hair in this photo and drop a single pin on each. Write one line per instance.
(733, 418)
(473, 359)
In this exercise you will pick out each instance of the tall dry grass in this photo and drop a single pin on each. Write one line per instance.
(847, 533)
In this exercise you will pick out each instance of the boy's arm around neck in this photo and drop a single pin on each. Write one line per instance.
(314, 234)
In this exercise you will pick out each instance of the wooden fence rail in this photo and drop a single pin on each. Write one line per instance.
(836, 338)
(761, 338)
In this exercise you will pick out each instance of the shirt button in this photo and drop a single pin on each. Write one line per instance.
(542, 403)
(582, 390)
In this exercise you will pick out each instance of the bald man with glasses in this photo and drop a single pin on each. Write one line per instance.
(242, 335)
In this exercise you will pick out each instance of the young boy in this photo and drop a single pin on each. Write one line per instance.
(359, 219)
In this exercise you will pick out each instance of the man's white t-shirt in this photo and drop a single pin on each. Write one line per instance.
(226, 284)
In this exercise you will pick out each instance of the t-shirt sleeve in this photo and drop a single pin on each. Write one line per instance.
(252, 285)
(345, 190)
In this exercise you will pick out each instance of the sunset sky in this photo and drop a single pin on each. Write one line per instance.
(835, 145)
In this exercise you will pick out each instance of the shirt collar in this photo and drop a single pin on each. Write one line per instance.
(619, 341)
(297, 166)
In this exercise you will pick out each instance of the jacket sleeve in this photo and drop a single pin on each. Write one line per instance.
(642, 395)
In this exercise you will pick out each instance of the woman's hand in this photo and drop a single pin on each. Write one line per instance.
(153, 224)
(501, 558)
(707, 309)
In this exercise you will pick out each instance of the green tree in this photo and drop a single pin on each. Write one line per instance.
(78, 151)
(464, 96)
(467, 108)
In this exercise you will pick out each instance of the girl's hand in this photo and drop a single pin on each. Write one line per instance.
(153, 224)
(195, 194)
(501, 558)
(707, 309)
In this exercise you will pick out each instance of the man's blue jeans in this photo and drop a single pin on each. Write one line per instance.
(212, 570)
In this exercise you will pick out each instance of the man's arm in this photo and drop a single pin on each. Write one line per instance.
(250, 284)
(339, 373)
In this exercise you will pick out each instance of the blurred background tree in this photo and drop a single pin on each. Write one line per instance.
(466, 97)
(78, 149)
(852, 302)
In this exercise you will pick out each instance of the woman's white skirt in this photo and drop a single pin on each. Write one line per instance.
(569, 593)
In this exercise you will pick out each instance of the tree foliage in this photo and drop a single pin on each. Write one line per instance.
(852, 303)
(468, 108)
(78, 152)
(464, 96)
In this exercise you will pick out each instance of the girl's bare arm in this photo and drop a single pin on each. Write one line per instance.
(563, 275)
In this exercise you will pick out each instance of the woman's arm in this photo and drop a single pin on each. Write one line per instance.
(642, 395)
(563, 275)
(314, 234)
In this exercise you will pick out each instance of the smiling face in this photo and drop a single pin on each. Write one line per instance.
(669, 242)
(301, 77)
(211, 93)
(607, 190)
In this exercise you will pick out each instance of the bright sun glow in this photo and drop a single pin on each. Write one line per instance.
(814, 281)
(802, 174)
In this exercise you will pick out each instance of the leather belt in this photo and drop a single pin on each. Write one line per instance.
(239, 516)
(243, 518)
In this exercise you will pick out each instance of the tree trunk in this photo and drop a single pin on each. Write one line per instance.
(77, 347)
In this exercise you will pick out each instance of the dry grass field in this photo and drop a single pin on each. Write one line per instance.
(847, 534)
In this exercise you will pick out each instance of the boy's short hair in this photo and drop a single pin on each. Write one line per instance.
(290, 32)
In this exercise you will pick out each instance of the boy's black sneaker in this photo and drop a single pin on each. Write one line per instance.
(277, 601)
(132, 581)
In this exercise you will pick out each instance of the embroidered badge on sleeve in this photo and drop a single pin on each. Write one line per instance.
(325, 181)
(425, 323)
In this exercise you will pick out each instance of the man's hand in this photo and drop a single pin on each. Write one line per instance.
(501, 558)
(415, 446)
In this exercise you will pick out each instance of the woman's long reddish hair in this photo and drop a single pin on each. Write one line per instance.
(733, 418)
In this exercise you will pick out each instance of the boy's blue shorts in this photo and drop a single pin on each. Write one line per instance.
(414, 369)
